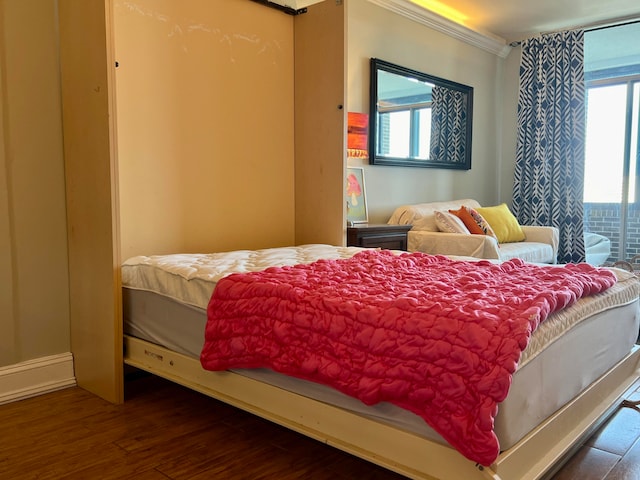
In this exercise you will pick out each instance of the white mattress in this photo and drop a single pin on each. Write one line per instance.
(190, 278)
(165, 298)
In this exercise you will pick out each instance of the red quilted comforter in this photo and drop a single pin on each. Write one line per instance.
(438, 337)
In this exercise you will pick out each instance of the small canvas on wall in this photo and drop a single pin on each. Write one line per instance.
(356, 196)
(357, 135)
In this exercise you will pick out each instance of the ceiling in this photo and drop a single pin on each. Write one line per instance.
(519, 19)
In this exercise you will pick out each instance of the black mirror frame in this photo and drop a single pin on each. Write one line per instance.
(374, 158)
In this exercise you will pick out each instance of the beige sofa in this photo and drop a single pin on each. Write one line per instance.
(540, 244)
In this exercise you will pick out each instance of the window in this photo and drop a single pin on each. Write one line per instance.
(612, 156)
(611, 140)
(406, 132)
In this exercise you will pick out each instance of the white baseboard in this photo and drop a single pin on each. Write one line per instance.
(35, 377)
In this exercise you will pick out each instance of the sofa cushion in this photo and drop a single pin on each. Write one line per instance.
(448, 222)
(528, 251)
(503, 222)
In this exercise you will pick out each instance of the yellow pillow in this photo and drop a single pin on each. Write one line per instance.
(503, 223)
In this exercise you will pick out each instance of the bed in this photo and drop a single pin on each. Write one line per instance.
(551, 405)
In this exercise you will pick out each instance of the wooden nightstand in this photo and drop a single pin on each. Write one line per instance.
(392, 237)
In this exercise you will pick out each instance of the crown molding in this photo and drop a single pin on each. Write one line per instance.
(484, 40)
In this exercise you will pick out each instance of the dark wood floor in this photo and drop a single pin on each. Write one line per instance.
(613, 453)
(164, 431)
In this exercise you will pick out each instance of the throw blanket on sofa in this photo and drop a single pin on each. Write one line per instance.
(438, 337)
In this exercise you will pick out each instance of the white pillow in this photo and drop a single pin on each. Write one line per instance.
(447, 222)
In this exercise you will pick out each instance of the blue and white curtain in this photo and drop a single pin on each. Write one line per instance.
(549, 171)
(448, 125)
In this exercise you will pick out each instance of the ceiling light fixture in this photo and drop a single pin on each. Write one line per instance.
(291, 7)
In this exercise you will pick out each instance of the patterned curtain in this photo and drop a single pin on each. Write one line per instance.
(448, 122)
(549, 172)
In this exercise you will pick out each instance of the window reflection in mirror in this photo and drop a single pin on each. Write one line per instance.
(418, 119)
(404, 116)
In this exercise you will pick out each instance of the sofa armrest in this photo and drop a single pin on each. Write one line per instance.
(459, 244)
(543, 234)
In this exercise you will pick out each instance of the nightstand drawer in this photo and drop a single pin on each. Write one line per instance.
(392, 237)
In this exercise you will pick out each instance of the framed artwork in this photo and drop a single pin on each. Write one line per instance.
(356, 196)
(357, 135)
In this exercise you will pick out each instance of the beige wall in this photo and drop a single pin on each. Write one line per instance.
(205, 125)
(34, 295)
(376, 32)
(7, 316)
(507, 147)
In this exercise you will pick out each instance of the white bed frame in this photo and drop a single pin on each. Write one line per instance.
(537, 455)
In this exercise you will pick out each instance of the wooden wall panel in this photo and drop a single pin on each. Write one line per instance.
(320, 128)
(205, 125)
(92, 197)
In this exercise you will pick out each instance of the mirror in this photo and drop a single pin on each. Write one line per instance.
(418, 120)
